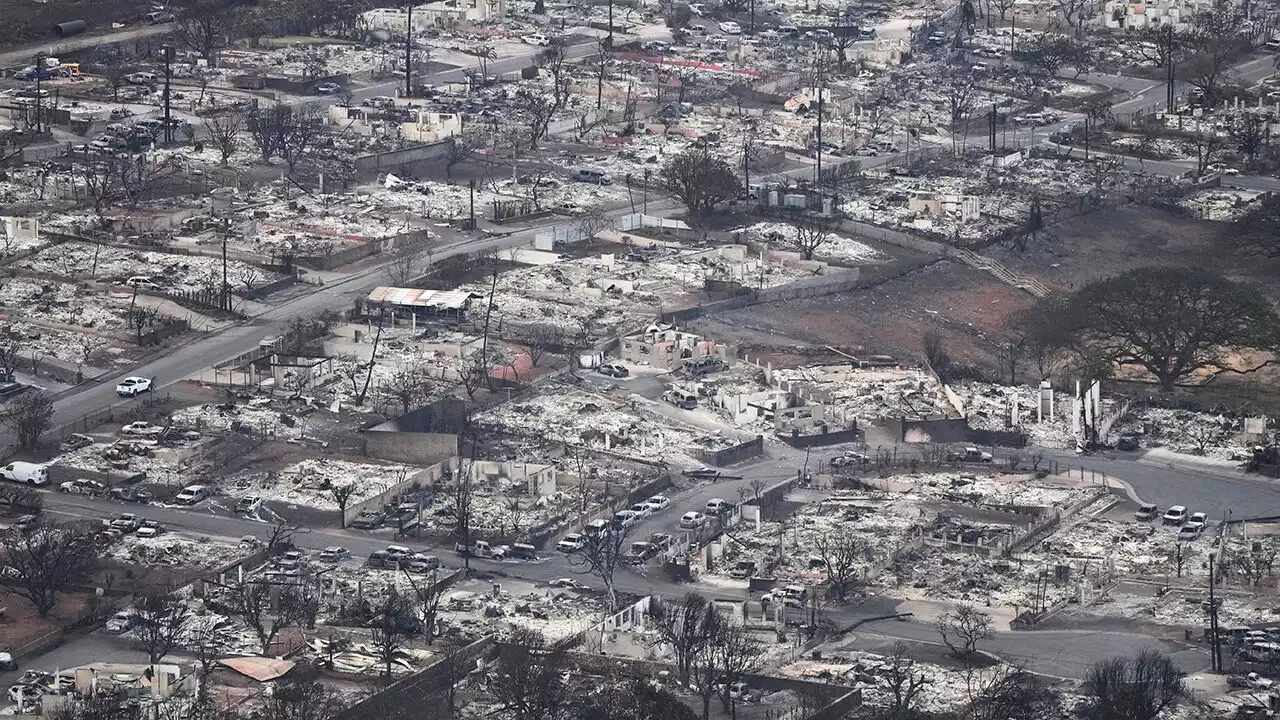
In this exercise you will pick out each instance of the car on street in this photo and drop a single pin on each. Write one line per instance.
(658, 503)
(248, 505)
(567, 583)
(33, 677)
(75, 442)
(613, 370)
(334, 554)
(131, 386)
(132, 494)
(192, 494)
(595, 527)
(367, 520)
(121, 622)
(1175, 515)
(849, 459)
(625, 518)
(573, 542)
(639, 553)
(8, 663)
(536, 39)
(127, 522)
(692, 519)
(715, 506)
(25, 694)
(642, 511)
(1147, 511)
(730, 27)
(83, 486)
(328, 88)
(150, 529)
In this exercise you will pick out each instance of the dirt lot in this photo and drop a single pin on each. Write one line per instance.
(29, 21)
(1112, 241)
(966, 306)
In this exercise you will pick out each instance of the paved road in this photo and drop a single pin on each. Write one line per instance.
(53, 47)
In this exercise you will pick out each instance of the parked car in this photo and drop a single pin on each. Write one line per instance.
(595, 527)
(131, 386)
(625, 518)
(1127, 442)
(730, 27)
(328, 88)
(192, 494)
(642, 510)
(692, 519)
(8, 663)
(75, 442)
(969, 454)
(573, 542)
(25, 694)
(150, 529)
(849, 459)
(1175, 515)
(743, 569)
(639, 553)
(25, 472)
(1147, 511)
(367, 520)
(536, 39)
(121, 622)
(131, 494)
(82, 486)
(127, 522)
(248, 505)
(26, 523)
(334, 554)
(613, 370)
(567, 583)
(715, 506)
(658, 503)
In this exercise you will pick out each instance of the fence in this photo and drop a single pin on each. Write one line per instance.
(810, 288)
(375, 502)
(126, 410)
(393, 159)
(337, 259)
(732, 455)
(418, 689)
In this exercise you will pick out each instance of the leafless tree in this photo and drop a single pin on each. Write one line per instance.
(601, 556)
(160, 621)
(686, 625)
(903, 681)
(266, 126)
(526, 678)
(1251, 560)
(461, 147)
(206, 27)
(959, 93)
(593, 221)
(408, 262)
(88, 344)
(342, 496)
(842, 552)
(29, 415)
(298, 136)
(352, 369)
(962, 629)
(251, 601)
(409, 384)
(475, 372)
(460, 486)
(1209, 147)
(537, 340)
(394, 622)
(1074, 12)
(303, 699)
(224, 133)
(1137, 688)
(46, 559)
(736, 651)
(811, 232)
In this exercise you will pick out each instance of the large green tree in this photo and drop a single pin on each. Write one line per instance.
(1172, 321)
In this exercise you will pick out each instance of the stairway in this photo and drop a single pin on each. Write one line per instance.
(1004, 274)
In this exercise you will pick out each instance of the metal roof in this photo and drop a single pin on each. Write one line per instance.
(413, 297)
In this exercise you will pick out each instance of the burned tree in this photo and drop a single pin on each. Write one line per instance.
(460, 487)
(537, 340)
(1137, 688)
(600, 557)
(47, 558)
(160, 621)
(223, 132)
(251, 600)
(842, 552)
(687, 626)
(962, 629)
(394, 622)
(409, 384)
(342, 496)
(812, 232)
(1172, 321)
(526, 678)
(903, 682)
(29, 416)
(206, 27)
(736, 651)
(298, 136)
(700, 180)
(265, 126)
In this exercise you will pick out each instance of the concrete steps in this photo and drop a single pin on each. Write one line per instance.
(1004, 274)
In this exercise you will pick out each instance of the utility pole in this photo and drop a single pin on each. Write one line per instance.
(168, 60)
(408, 53)
(1213, 618)
(472, 184)
(818, 60)
(39, 70)
(609, 39)
(993, 122)
(226, 289)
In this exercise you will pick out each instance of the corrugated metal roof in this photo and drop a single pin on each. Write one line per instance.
(413, 297)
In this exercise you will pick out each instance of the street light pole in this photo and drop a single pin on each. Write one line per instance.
(408, 53)
(168, 60)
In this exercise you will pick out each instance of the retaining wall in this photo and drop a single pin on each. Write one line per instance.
(816, 287)
(424, 686)
(424, 476)
(395, 159)
(822, 439)
(733, 455)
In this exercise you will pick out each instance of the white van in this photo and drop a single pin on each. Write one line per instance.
(192, 494)
(594, 176)
(25, 472)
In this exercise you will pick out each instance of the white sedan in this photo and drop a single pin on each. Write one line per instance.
(658, 503)
(730, 27)
(131, 386)
(692, 520)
